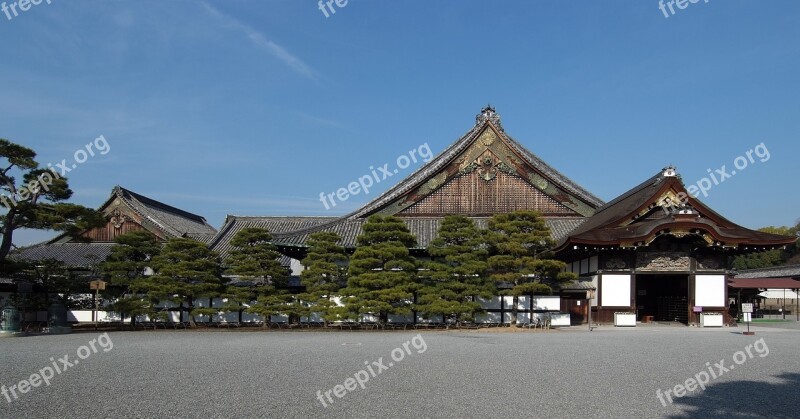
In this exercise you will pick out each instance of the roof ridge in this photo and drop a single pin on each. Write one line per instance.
(170, 208)
(657, 178)
(222, 231)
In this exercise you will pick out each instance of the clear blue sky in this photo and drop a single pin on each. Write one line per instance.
(255, 107)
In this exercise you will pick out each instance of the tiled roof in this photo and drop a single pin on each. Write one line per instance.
(611, 224)
(174, 221)
(283, 232)
(773, 272)
(785, 283)
(77, 255)
(577, 285)
(275, 225)
(294, 231)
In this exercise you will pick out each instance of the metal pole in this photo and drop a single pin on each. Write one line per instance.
(590, 294)
(95, 308)
(783, 311)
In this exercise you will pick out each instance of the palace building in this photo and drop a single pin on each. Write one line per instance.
(655, 253)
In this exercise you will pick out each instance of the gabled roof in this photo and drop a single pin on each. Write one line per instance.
(509, 161)
(662, 205)
(174, 221)
(165, 221)
(487, 123)
(155, 215)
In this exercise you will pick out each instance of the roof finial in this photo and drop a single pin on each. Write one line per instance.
(488, 113)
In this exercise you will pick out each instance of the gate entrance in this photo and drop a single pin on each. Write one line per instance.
(662, 298)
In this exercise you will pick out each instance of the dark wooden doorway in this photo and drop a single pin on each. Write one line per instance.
(662, 297)
(576, 306)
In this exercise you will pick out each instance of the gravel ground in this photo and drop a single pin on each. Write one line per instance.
(569, 373)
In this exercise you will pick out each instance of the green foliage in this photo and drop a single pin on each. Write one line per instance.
(519, 243)
(456, 273)
(58, 282)
(185, 269)
(384, 229)
(125, 269)
(254, 259)
(325, 273)
(382, 270)
(31, 203)
(775, 257)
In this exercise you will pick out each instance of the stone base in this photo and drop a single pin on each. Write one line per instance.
(58, 330)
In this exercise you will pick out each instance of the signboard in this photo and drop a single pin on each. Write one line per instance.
(697, 309)
(97, 285)
(747, 317)
(747, 308)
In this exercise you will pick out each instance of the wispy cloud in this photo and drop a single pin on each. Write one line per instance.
(261, 41)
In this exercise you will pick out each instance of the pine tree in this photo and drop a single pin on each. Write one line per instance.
(255, 259)
(456, 273)
(34, 197)
(185, 270)
(126, 268)
(519, 244)
(325, 274)
(382, 270)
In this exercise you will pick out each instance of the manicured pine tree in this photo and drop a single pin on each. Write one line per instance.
(456, 273)
(185, 270)
(126, 268)
(519, 244)
(381, 269)
(34, 197)
(325, 273)
(255, 259)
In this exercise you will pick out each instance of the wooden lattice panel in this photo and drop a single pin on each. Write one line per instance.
(470, 194)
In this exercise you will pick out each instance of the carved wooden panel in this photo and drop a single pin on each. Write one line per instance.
(473, 194)
(662, 261)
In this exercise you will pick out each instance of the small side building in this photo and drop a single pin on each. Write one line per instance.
(659, 253)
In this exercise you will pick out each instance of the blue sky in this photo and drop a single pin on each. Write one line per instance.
(255, 107)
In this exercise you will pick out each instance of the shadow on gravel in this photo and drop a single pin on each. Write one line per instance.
(740, 399)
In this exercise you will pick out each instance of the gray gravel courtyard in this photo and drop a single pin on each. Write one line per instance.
(569, 373)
